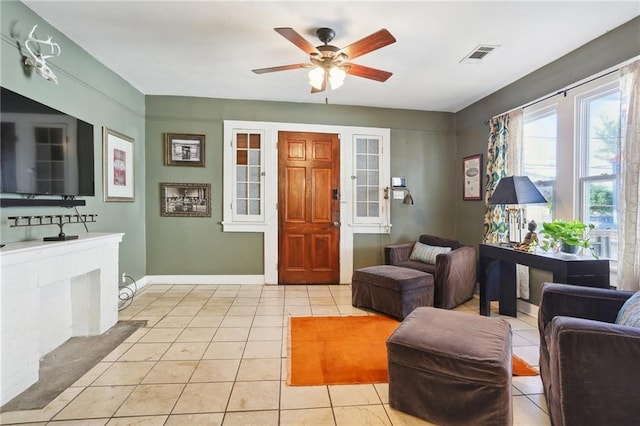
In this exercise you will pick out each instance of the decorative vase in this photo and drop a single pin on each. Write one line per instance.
(566, 248)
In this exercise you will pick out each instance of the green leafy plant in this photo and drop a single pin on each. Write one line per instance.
(559, 232)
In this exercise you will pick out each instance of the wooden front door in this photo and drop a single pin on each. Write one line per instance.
(308, 208)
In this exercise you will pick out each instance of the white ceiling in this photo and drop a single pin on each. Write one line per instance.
(208, 48)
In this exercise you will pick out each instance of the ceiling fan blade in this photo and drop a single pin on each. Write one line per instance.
(367, 72)
(295, 38)
(368, 44)
(280, 68)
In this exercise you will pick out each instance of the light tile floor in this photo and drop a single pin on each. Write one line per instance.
(216, 355)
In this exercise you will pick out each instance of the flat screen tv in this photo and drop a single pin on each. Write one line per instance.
(43, 151)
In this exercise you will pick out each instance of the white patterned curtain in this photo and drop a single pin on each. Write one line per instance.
(495, 228)
(629, 189)
(504, 158)
(514, 142)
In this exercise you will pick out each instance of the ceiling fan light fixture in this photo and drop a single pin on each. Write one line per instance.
(336, 77)
(316, 77)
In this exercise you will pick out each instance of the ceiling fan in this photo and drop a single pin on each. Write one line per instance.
(329, 63)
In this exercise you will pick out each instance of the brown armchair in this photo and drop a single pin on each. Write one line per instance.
(454, 274)
(588, 364)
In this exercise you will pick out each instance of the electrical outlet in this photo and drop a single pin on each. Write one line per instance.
(124, 278)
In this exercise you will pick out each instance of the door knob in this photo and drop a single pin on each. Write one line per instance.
(336, 224)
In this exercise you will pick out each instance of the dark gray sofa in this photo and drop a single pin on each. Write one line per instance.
(454, 274)
(588, 364)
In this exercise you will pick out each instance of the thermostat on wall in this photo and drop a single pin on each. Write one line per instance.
(398, 182)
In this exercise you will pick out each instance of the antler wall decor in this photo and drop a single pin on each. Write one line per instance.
(38, 60)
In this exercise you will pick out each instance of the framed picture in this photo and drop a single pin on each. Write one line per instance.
(185, 199)
(183, 150)
(472, 177)
(117, 166)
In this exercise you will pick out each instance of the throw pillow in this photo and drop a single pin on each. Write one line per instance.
(427, 254)
(629, 314)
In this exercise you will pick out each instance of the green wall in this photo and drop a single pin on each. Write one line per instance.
(422, 149)
(427, 148)
(91, 92)
(612, 48)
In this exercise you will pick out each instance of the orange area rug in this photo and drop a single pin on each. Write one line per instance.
(521, 368)
(346, 350)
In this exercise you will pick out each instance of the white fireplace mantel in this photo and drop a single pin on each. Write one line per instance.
(51, 291)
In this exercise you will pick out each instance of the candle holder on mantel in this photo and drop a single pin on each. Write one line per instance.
(60, 220)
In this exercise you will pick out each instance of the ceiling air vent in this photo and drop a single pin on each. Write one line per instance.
(478, 53)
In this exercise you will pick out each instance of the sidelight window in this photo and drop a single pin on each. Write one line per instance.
(248, 198)
(367, 177)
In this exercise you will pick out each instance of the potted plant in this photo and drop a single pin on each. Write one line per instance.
(565, 236)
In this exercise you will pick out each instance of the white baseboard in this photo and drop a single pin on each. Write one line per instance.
(527, 308)
(142, 282)
(132, 288)
(205, 279)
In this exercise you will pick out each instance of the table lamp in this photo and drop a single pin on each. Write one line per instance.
(514, 191)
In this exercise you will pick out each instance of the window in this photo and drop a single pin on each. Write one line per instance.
(367, 181)
(249, 194)
(571, 151)
(599, 149)
(539, 158)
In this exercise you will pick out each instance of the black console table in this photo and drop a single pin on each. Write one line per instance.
(497, 273)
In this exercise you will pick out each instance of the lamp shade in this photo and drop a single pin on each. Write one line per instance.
(516, 190)
(316, 77)
(336, 77)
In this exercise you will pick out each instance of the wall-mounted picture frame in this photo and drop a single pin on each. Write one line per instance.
(185, 199)
(181, 149)
(118, 166)
(472, 177)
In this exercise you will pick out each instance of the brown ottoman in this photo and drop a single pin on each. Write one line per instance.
(451, 368)
(392, 290)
